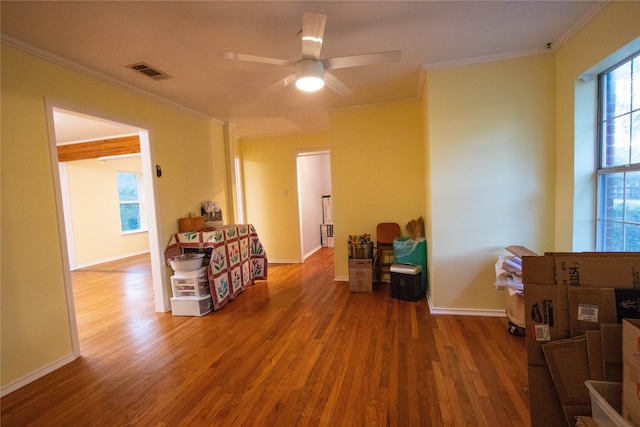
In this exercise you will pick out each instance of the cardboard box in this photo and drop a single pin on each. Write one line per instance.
(544, 404)
(360, 275)
(631, 371)
(594, 348)
(538, 270)
(547, 312)
(611, 352)
(327, 209)
(547, 319)
(590, 307)
(569, 366)
(605, 353)
(588, 269)
(326, 235)
(586, 422)
(546, 308)
(571, 412)
(598, 271)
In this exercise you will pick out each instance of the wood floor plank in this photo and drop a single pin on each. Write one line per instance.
(298, 349)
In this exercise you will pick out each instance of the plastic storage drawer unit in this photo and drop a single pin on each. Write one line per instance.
(190, 283)
(191, 306)
(406, 282)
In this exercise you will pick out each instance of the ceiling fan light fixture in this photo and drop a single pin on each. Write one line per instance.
(309, 84)
(309, 75)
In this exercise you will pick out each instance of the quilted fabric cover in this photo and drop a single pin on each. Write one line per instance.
(237, 258)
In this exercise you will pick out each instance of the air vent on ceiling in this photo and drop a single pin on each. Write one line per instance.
(149, 71)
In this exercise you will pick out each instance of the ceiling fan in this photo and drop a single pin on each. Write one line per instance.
(311, 72)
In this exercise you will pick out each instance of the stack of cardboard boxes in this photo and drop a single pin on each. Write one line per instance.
(326, 228)
(574, 306)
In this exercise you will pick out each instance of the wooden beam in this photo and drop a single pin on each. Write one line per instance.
(95, 149)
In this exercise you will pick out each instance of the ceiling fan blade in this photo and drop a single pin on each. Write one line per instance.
(360, 60)
(280, 84)
(254, 58)
(336, 85)
(312, 33)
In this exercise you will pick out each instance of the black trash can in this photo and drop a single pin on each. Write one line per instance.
(406, 282)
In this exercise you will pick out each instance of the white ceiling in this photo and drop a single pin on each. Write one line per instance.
(185, 39)
(71, 126)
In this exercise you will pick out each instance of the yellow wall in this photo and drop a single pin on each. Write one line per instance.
(491, 171)
(95, 214)
(35, 330)
(271, 197)
(377, 174)
(613, 28)
(377, 171)
(428, 208)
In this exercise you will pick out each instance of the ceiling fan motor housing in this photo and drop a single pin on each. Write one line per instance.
(309, 74)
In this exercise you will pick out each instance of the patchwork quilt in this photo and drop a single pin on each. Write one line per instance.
(237, 258)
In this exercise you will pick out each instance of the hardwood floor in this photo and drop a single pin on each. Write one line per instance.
(296, 350)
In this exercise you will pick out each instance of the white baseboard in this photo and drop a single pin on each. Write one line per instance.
(311, 252)
(465, 311)
(92, 263)
(284, 261)
(449, 310)
(15, 385)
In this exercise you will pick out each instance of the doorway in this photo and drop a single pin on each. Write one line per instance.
(68, 125)
(314, 182)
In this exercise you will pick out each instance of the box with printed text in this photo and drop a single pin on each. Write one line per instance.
(631, 371)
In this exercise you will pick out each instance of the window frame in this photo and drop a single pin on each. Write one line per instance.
(139, 201)
(604, 171)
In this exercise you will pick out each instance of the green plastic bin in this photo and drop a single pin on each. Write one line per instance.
(410, 251)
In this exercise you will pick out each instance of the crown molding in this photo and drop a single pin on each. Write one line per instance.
(551, 48)
(577, 26)
(73, 66)
(486, 58)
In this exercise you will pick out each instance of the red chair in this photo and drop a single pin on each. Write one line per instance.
(385, 233)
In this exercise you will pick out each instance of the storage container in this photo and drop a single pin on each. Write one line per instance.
(190, 224)
(412, 251)
(514, 302)
(192, 274)
(406, 282)
(326, 235)
(187, 262)
(190, 283)
(606, 402)
(360, 275)
(191, 306)
(362, 251)
(327, 209)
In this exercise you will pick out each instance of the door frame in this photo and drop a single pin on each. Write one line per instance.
(299, 155)
(161, 294)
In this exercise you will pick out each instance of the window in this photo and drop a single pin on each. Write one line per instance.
(130, 204)
(618, 174)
